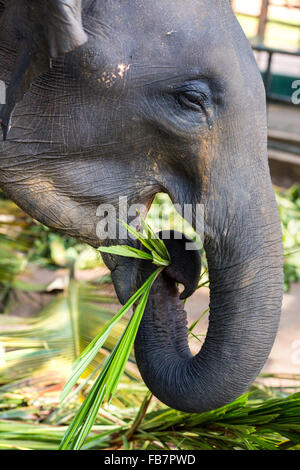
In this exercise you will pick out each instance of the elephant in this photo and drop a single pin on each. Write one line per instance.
(126, 99)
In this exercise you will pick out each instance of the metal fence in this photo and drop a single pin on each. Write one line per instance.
(263, 17)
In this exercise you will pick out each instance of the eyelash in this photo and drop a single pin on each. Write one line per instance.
(191, 99)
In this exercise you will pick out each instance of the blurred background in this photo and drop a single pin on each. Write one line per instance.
(56, 294)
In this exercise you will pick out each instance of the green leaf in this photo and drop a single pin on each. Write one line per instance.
(92, 349)
(157, 243)
(127, 251)
(108, 380)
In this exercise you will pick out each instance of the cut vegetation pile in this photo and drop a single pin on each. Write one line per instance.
(30, 418)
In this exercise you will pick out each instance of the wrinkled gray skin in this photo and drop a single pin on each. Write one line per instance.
(163, 97)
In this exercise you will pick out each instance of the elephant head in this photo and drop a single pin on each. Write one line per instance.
(151, 97)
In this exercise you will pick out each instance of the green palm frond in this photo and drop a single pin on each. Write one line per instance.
(50, 339)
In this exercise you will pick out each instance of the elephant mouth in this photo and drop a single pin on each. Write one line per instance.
(185, 266)
(128, 273)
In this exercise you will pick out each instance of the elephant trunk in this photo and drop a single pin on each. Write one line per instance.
(245, 272)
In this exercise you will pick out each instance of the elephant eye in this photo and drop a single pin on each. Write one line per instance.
(193, 100)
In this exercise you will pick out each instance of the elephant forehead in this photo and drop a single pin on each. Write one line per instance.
(107, 73)
(110, 77)
(155, 34)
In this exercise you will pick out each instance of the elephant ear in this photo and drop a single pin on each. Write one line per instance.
(32, 32)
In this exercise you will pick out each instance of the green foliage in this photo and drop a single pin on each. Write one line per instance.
(38, 244)
(135, 421)
(25, 242)
(47, 341)
(289, 210)
(107, 381)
